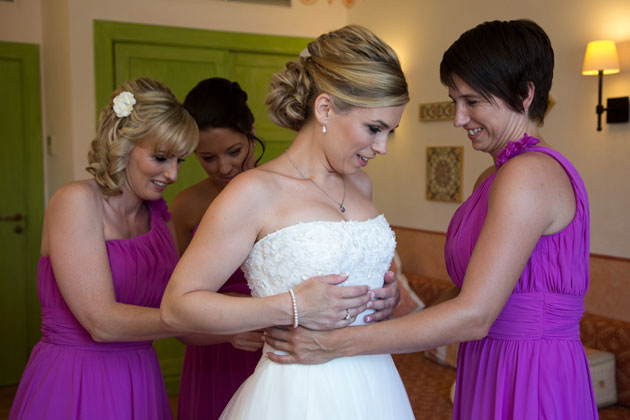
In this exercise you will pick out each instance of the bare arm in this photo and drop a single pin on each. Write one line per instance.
(75, 242)
(521, 209)
(187, 209)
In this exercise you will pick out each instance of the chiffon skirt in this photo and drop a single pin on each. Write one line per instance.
(360, 387)
(118, 381)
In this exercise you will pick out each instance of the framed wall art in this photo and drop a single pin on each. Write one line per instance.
(444, 173)
(437, 111)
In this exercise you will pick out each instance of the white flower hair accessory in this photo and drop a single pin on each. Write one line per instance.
(123, 104)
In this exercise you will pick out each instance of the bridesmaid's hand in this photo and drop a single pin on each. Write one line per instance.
(248, 341)
(304, 346)
(387, 298)
(322, 305)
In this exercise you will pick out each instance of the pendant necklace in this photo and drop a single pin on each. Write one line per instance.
(340, 204)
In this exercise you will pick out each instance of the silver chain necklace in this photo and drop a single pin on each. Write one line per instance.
(341, 207)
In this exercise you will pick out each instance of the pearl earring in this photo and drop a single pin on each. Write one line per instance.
(324, 130)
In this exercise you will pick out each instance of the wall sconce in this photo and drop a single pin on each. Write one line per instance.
(600, 59)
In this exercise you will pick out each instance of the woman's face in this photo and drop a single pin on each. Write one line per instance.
(364, 132)
(149, 172)
(488, 124)
(224, 153)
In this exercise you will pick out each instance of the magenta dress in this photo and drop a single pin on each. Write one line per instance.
(212, 374)
(532, 364)
(69, 375)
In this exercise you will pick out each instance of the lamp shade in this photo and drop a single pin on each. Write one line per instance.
(600, 55)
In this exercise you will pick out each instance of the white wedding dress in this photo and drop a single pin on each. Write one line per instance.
(359, 387)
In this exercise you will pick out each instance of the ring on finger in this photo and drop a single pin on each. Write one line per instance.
(347, 317)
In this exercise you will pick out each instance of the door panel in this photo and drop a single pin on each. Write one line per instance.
(253, 72)
(21, 207)
(12, 290)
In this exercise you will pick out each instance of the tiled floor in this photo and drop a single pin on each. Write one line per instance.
(7, 393)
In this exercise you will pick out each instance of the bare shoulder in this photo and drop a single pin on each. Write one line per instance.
(362, 182)
(533, 168)
(535, 185)
(80, 196)
(251, 192)
(76, 206)
(258, 181)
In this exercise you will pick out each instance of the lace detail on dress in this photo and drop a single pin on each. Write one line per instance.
(285, 258)
(513, 148)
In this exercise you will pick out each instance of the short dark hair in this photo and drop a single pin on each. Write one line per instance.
(220, 103)
(500, 58)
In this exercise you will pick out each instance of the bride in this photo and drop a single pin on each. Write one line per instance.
(306, 213)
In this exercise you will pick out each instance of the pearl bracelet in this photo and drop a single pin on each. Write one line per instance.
(295, 310)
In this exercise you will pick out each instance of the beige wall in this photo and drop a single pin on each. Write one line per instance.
(421, 34)
(419, 30)
(21, 21)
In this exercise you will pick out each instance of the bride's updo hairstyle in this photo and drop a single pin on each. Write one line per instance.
(352, 65)
(140, 109)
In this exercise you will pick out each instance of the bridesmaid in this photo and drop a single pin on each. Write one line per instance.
(215, 366)
(108, 249)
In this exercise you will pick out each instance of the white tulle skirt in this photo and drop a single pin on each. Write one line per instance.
(359, 387)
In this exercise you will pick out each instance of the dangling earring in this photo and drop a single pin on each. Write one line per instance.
(324, 130)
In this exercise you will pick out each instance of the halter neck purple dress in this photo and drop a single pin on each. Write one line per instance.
(532, 364)
(69, 375)
(212, 374)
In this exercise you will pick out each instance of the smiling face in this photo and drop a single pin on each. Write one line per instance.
(224, 153)
(149, 171)
(490, 124)
(364, 132)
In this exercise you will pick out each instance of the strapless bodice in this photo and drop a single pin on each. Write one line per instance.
(285, 258)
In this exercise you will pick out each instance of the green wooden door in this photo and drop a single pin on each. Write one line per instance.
(253, 71)
(21, 206)
(180, 58)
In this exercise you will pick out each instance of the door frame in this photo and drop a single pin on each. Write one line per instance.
(28, 57)
(107, 34)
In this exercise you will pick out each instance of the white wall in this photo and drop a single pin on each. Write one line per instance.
(426, 29)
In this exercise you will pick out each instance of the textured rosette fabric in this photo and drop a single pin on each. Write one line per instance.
(513, 148)
(285, 258)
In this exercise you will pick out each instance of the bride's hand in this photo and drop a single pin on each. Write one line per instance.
(386, 300)
(322, 305)
(304, 346)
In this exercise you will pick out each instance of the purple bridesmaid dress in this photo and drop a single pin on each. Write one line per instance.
(532, 364)
(69, 375)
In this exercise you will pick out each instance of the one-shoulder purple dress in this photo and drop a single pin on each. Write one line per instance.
(69, 375)
(212, 374)
(532, 364)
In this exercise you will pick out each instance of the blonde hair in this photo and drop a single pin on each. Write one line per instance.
(352, 65)
(157, 115)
